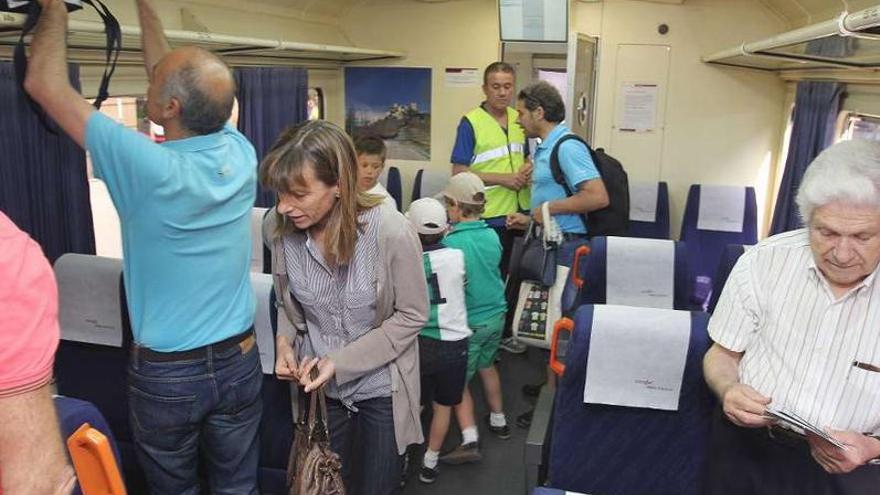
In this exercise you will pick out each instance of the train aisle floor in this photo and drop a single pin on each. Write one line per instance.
(502, 470)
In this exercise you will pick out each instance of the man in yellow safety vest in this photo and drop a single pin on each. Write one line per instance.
(491, 144)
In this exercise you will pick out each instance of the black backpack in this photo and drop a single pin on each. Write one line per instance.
(614, 218)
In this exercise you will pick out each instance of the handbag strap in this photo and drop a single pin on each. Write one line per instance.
(318, 398)
(283, 299)
(325, 420)
(300, 405)
(282, 281)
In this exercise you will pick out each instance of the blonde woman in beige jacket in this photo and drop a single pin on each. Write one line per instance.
(357, 302)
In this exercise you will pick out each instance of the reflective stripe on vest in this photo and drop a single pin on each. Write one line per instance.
(497, 152)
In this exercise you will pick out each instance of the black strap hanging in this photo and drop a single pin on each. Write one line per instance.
(113, 33)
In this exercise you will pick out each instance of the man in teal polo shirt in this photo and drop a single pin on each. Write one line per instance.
(541, 112)
(184, 209)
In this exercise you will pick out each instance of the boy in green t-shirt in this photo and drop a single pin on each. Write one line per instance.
(486, 307)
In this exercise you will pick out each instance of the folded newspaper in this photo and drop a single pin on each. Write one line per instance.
(802, 426)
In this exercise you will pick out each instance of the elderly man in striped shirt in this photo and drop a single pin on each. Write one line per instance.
(797, 329)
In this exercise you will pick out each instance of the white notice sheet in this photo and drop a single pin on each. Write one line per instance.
(88, 297)
(462, 77)
(643, 201)
(637, 357)
(722, 208)
(639, 107)
(640, 272)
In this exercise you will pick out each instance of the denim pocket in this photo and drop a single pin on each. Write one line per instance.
(152, 413)
(246, 390)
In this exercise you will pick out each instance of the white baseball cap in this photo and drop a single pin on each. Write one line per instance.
(466, 187)
(427, 215)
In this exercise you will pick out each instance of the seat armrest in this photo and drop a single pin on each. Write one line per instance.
(537, 439)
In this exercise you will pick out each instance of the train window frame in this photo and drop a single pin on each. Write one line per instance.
(850, 122)
(319, 107)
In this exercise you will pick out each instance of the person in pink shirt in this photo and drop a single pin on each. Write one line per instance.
(32, 458)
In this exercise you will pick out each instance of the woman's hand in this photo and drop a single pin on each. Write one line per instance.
(326, 370)
(285, 361)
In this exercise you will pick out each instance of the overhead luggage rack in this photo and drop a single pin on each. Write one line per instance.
(851, 41)
(87, 44)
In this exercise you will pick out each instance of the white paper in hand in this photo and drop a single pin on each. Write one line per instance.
(801, 426)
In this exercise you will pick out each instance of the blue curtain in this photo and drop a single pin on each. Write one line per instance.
(43, 184)
(815, 113)
(270, 99)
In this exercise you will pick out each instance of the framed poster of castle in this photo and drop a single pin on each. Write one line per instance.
(393, 103)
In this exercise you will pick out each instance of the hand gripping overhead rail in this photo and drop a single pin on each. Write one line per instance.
(87, 44)
(849, 41)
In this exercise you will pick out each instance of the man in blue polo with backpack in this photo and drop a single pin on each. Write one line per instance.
(571, 179)
(565, 175)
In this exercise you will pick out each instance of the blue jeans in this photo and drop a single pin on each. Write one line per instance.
(366, 443)
(211, 402)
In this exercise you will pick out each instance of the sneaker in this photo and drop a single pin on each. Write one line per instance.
(512, 345)
(428, 475)
(524, 420)
(463, 454)
(502, 432)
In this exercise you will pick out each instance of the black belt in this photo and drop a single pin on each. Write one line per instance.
(197, 353)
(568, 236)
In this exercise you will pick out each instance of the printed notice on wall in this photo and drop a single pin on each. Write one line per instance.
(638, 111)
(461, 77)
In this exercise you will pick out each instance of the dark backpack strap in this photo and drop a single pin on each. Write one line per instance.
(113, 34)
(556, 168)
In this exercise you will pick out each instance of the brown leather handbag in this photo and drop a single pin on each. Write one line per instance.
(300, 446)
(314, 469)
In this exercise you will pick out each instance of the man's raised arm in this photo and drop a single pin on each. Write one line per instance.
(153, 41)
(47, 79)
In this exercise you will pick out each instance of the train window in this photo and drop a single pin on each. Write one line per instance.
(315, 104)
(860, 126)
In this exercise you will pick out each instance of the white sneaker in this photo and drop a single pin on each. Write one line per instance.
(512, 345)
